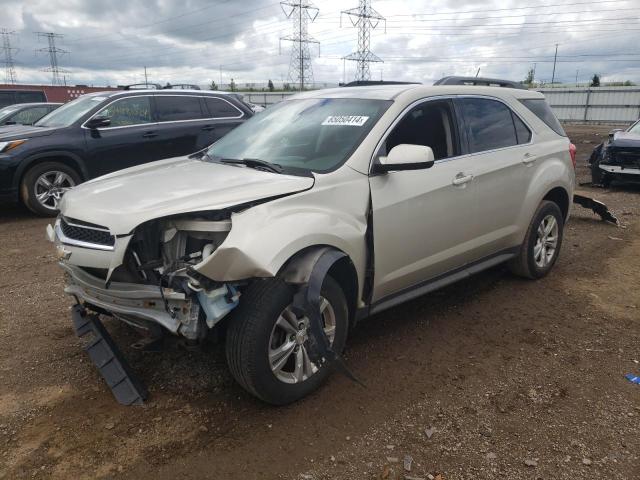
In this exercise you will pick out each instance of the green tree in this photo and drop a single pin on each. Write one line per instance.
(213, 85)
(528, 80)
(270, 86)
(232, 86)
(595, 80)
(286, 87)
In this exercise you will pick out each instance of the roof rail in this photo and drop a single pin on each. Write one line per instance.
(487, 82)
(180, 86)
(142, 86)
(368, 83)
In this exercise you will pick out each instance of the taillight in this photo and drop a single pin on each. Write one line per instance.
(572, 152)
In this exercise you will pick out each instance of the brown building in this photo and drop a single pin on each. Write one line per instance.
(10, 94)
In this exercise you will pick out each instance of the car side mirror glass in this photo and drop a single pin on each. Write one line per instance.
(614, 131)
(98, 122)
(405, 157)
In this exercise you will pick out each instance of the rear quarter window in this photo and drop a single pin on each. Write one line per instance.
(542, 110)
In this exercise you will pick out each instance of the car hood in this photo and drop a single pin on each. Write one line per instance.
(17, 132)
(123, 200)
(625, 139)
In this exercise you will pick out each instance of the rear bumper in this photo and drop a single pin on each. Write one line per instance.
(130, 301)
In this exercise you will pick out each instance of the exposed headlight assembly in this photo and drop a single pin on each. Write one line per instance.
(10, 145)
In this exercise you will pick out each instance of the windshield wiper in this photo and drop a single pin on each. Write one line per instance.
(254, 163)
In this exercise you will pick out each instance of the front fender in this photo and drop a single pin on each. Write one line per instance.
(258, 246)
(263, 238)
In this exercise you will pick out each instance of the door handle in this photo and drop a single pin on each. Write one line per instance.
(461, 179)
(149, 134)
(529, 158)
(209, 127)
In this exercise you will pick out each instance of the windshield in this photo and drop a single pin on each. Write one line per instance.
(635, 128)
(70, 112)
(6, 111)
(316, 134)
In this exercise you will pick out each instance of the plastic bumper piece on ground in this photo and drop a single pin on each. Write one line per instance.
(104, 353)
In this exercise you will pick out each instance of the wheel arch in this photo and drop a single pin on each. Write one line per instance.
(67, 158)
(560, 197)
(297, 270)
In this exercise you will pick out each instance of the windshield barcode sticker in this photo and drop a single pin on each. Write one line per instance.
(350, 120)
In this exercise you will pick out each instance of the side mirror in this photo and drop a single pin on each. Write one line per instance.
(405, 157)
(614, 131)
(98, 122)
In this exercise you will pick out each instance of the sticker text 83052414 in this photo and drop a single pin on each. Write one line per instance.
(349, 120)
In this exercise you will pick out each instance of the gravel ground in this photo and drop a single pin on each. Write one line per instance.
(494, 377)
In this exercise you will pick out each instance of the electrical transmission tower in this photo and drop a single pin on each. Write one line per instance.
(8, 50)
(300, 68)
(366, 18)
(53, 52)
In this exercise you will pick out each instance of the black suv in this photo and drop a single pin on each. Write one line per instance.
(102, 132)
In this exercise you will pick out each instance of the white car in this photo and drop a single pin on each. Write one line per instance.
(322, 210)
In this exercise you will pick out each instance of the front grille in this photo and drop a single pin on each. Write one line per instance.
(96, 235)
(627, 158)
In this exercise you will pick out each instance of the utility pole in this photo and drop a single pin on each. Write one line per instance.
(301, 12)
(220, 85)
(146, 79)
(53, 52)
(577, 71)
(553, 75)
(366, 18)
(9, 68)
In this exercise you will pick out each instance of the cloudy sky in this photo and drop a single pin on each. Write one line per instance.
(196, 41)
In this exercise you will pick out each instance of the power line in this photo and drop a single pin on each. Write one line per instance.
(366, 19)
(53, 52)
(8, 50)
(301, 12)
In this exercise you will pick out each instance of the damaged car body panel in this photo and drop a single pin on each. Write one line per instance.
(310, 193)
(618, 157)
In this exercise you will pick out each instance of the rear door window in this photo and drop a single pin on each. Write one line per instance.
(488, 123)
(542, 110)
(175, 108)
(219, 108)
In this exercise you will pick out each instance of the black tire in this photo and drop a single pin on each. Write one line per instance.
(524, 264)
(29, 189)
(249, 333)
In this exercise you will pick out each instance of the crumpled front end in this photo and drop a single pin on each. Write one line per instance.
(148, 277)
(622, 161)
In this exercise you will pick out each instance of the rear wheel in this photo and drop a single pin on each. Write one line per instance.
(542, 243)
(43, 186)
(267, 343)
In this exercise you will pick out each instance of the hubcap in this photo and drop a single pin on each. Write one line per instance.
(546, 241)
(50, 186)
(288, 344)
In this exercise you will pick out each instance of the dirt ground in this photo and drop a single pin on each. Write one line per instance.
(495, 377)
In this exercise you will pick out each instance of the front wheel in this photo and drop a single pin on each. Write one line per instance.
(267, 343)
(542, 243)
(43, 186)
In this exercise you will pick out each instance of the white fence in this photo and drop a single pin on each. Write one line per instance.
(595, 104)
(575, 104)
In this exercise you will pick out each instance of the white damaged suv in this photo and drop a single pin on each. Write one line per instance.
(324, 209)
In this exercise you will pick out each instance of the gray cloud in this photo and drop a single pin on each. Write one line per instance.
(111, 42)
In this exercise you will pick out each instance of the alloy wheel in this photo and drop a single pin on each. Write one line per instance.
(544, 250)
(289, 340)
(50, 186)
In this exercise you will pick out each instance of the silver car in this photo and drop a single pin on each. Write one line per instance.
(322, 210)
